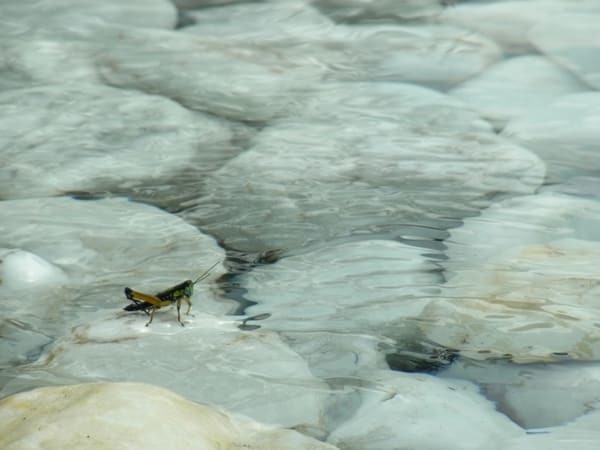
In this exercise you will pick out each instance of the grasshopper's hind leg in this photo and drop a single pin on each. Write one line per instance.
(155, 307)
(151, 315)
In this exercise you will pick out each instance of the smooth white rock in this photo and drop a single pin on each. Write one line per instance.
(519, 222)
(420, 411)
(521, 281)
(366, 286)
(388, 107)
(209, 360)
(564, 133)
(20, 269)
(389, 154)
(102, 246)
(367, 10)
(514, 87)
(332, 354)
(31, 59)
(529, 393)
(437, 56)
(86, 137)
(265, 21)
(582, 434)
(193, 4)
(570, 40)
(371, 52)
(197, 72)
(131, 415)
(530, 303)
(28, 15)
(509, 22)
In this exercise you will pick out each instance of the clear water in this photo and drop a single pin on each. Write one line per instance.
(403, 192)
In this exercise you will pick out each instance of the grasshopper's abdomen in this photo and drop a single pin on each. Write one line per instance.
(137, 304)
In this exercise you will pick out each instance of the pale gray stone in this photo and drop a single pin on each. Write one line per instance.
(564, 133)
(197, 73)
(85, 137)
(514, 87)
(393, 154)
(529, 393)
(420, 411)
(521, 282)
(30, 15)
(368, 10)
(509, 22)
(570, 40)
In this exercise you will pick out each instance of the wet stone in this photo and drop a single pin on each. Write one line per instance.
(529, 275)
(86, 137)
(529, 393)
(569, 41)
(455, 407)
(388, 154)
(563, 133)
(63, 14)
(514, 87)
(511, 22)
(370, 10)
(195, 72)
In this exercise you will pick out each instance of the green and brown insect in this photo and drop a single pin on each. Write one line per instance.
(150, 303)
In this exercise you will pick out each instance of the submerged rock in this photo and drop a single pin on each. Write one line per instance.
(260, 21)
(20, 344)
(96, 138)
(196, 72)
(514, 87)
(582, 432)
(420, 411)
(521, 282)
(365, 158)
(436, 56)
(371, 10)
(510, 22)
(569, 40)
(563, 133)
(369, 52)
(367, 286)
(43, 58)
(131, 415)
(192, 4)
(531, 303)
(529, 393)
(58, 15)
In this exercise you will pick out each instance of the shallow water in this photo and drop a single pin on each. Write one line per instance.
(403, 195)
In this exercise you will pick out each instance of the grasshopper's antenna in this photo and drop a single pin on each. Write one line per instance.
(205, 274)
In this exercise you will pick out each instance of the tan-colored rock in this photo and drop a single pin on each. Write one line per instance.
(131, 416)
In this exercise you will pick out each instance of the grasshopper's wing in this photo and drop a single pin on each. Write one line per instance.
(141, 301)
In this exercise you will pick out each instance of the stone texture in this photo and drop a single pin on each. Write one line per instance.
(129, 415)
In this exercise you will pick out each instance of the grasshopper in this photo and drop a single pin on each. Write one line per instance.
(150, 303)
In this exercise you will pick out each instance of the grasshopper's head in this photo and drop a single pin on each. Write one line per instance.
(188, 288)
